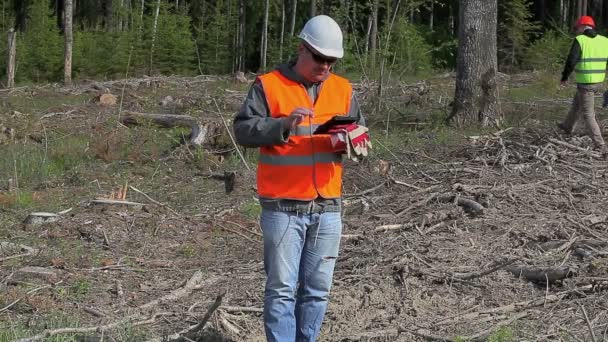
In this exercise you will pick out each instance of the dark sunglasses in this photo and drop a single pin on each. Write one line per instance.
(320, 59)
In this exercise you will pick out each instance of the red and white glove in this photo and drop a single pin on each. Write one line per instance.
(359, 140)
(351, 138)
(339, 137)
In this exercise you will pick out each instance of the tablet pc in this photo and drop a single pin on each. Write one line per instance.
(336, 120)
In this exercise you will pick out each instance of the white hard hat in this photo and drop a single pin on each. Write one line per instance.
(323, 34)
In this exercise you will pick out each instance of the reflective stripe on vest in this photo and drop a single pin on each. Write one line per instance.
(591, 68)
(305, 167)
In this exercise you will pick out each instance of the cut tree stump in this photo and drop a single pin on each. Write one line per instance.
(198, 136)
(107, 100)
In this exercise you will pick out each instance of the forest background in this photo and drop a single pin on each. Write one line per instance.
(114, 38)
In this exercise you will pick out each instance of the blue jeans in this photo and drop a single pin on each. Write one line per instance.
(300, 252)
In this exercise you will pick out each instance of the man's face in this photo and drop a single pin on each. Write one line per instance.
(313, 66)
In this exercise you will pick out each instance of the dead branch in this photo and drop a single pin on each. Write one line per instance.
(473, 275)
(576, 148)
(480, 336)
(154, 201)
(194, 283)
(245, 309)
(237, 233)
(190, 333)
(218, 301)
(53, 332)
(589, 325)
(116, 202)
(388, 227)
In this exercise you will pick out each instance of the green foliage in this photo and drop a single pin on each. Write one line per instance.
(33, 165)
(549, 52)
(410, 52)
(251, 209)
(101, 54)
(174, 50)
(504, 334)
(81, 287)
(215, 37)
(40, 51)
(515, 31)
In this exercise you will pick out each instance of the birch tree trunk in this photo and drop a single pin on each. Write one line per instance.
(264, 44)
(476, 95)
(292, 24)
(10, 59)
(313, 8)
(68, 40)
(368, 33)
(374, 35)
(153, 36)
(282, 35)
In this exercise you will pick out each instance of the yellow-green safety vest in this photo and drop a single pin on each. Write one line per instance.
(591, 68)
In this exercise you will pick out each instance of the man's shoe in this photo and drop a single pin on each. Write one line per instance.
(563, 127)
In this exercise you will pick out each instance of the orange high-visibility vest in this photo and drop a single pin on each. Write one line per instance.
(305, 167)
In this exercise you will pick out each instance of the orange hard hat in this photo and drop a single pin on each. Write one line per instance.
(585, 21)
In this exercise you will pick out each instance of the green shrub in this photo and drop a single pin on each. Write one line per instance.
(549, 52)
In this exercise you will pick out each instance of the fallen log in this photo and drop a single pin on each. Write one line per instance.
(198, 134)
(541, 274)
(469, 206)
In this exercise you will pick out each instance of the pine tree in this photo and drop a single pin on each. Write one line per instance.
(40, 53)
(515, 31)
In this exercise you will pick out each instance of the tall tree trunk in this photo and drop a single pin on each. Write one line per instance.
(374, 35)
(579, 8)
(476, 95)
(156, 12)
(264, 37)
(141, 18)
(10, 58)
(562, 16)
(431, 15)
(177, 6)
(451, 20)
(368, 33)
(241, 38)
(67, 34)
(128, 22)
(313, 8)
(282, 35)
(292, 24)
(121, 16)
(584, 5)
(108, 15)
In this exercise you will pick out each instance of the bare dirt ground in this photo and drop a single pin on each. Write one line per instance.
(448, 235)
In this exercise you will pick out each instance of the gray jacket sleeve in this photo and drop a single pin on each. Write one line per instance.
(355, 111)
(253, 126)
